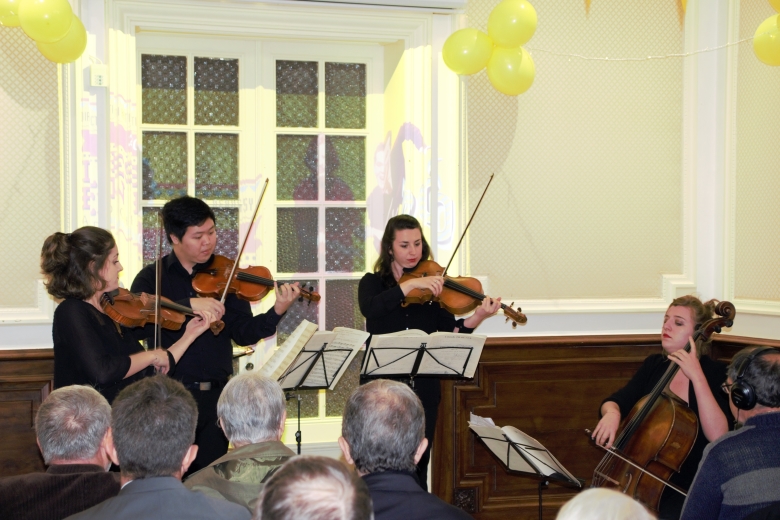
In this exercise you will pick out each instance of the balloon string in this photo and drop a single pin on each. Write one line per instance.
(648, 58)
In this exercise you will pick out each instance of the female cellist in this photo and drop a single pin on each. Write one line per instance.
(380, 296)
(89, 348)
(697, 382)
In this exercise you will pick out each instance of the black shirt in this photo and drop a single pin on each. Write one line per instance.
(90, 349)
(642, 384)
(381, 305)
(210, 357)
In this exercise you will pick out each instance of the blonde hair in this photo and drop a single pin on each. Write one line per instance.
(700, 312)
(603, 504)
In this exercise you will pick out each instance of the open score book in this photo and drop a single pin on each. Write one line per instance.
(314, 359)
(413, 352)
(519, 451)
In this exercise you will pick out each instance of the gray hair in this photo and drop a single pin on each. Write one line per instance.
(251, 408)
(763, 374)
(383, 423)
(71, 423)
(153, 425)
(603, 504)
(309, 487)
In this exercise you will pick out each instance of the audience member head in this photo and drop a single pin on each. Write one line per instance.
(252, 409)
(153, 423)
(183, 212)
(72, 425)
(603, 504)
(309, 487)
(72, 262)
(754, 381)
(383, 428)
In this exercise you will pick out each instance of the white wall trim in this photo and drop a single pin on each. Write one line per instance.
(43, 312)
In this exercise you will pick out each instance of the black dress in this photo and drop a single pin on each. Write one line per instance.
(90, 349)
(381, 306)
(642, 384)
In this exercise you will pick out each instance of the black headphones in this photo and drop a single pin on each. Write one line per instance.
(743, 395)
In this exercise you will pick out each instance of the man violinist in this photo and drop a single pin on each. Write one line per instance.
(204, 370)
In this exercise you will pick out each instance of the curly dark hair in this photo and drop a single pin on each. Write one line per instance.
(72, 262)
(383, 265)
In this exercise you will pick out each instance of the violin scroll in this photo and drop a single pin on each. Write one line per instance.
(514, 314)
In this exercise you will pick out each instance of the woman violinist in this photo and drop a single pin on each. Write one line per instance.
(380, 296)
(89, 348)
(697, 382)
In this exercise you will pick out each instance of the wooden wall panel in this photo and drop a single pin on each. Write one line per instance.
(551, 389)
(25, 381)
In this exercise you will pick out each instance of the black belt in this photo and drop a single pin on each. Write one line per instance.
(204, 386)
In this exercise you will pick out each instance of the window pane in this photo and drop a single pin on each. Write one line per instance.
(345, 95)
(336, 399)
(216, 91)
(345, 236)
(152, 233)
(227, 233)
(341, 307)
(310, 404)
(345, 168)
(296, 93)
(296, 167)
(296, 240)
(164, 89)
(216, 166)
(164, 165)
(298, 311)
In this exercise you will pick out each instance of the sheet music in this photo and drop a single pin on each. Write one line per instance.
(393, 353)
(519, 451)
(340, 347)
(449, 353)
(285, 354)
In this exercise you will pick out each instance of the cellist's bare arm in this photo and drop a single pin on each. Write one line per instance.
(713, 421)
(605, 431)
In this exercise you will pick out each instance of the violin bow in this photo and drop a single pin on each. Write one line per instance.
(462, 235)
(157, 287)
(243, 245)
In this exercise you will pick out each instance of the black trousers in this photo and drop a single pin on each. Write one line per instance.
(212, 443)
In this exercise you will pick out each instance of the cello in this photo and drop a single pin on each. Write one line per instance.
(657, 435)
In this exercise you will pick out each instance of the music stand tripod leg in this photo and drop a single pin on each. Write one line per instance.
(298, 435)
(542, 484)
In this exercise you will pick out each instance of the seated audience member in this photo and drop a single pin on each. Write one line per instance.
(603, 504)
(383, 435)
(309, 487)
(153, 427)
(251, 412)
(740, 472)
(72, 426)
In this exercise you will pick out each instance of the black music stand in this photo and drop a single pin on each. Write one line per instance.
(525, 456)
(419, 360)
(315, 369)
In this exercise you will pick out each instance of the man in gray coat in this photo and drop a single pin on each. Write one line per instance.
(252, 412)
(153, 423)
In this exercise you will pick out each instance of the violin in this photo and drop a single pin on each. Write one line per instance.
(248, 283)
(136, 310)
(459, 295)
(657, 435)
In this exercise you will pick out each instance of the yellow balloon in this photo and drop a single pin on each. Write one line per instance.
(511, 71)
(69, 48)
(45, 20)
(766, 41)
(467, 51)
(512, 23)
(9, 13)
(775, 5)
